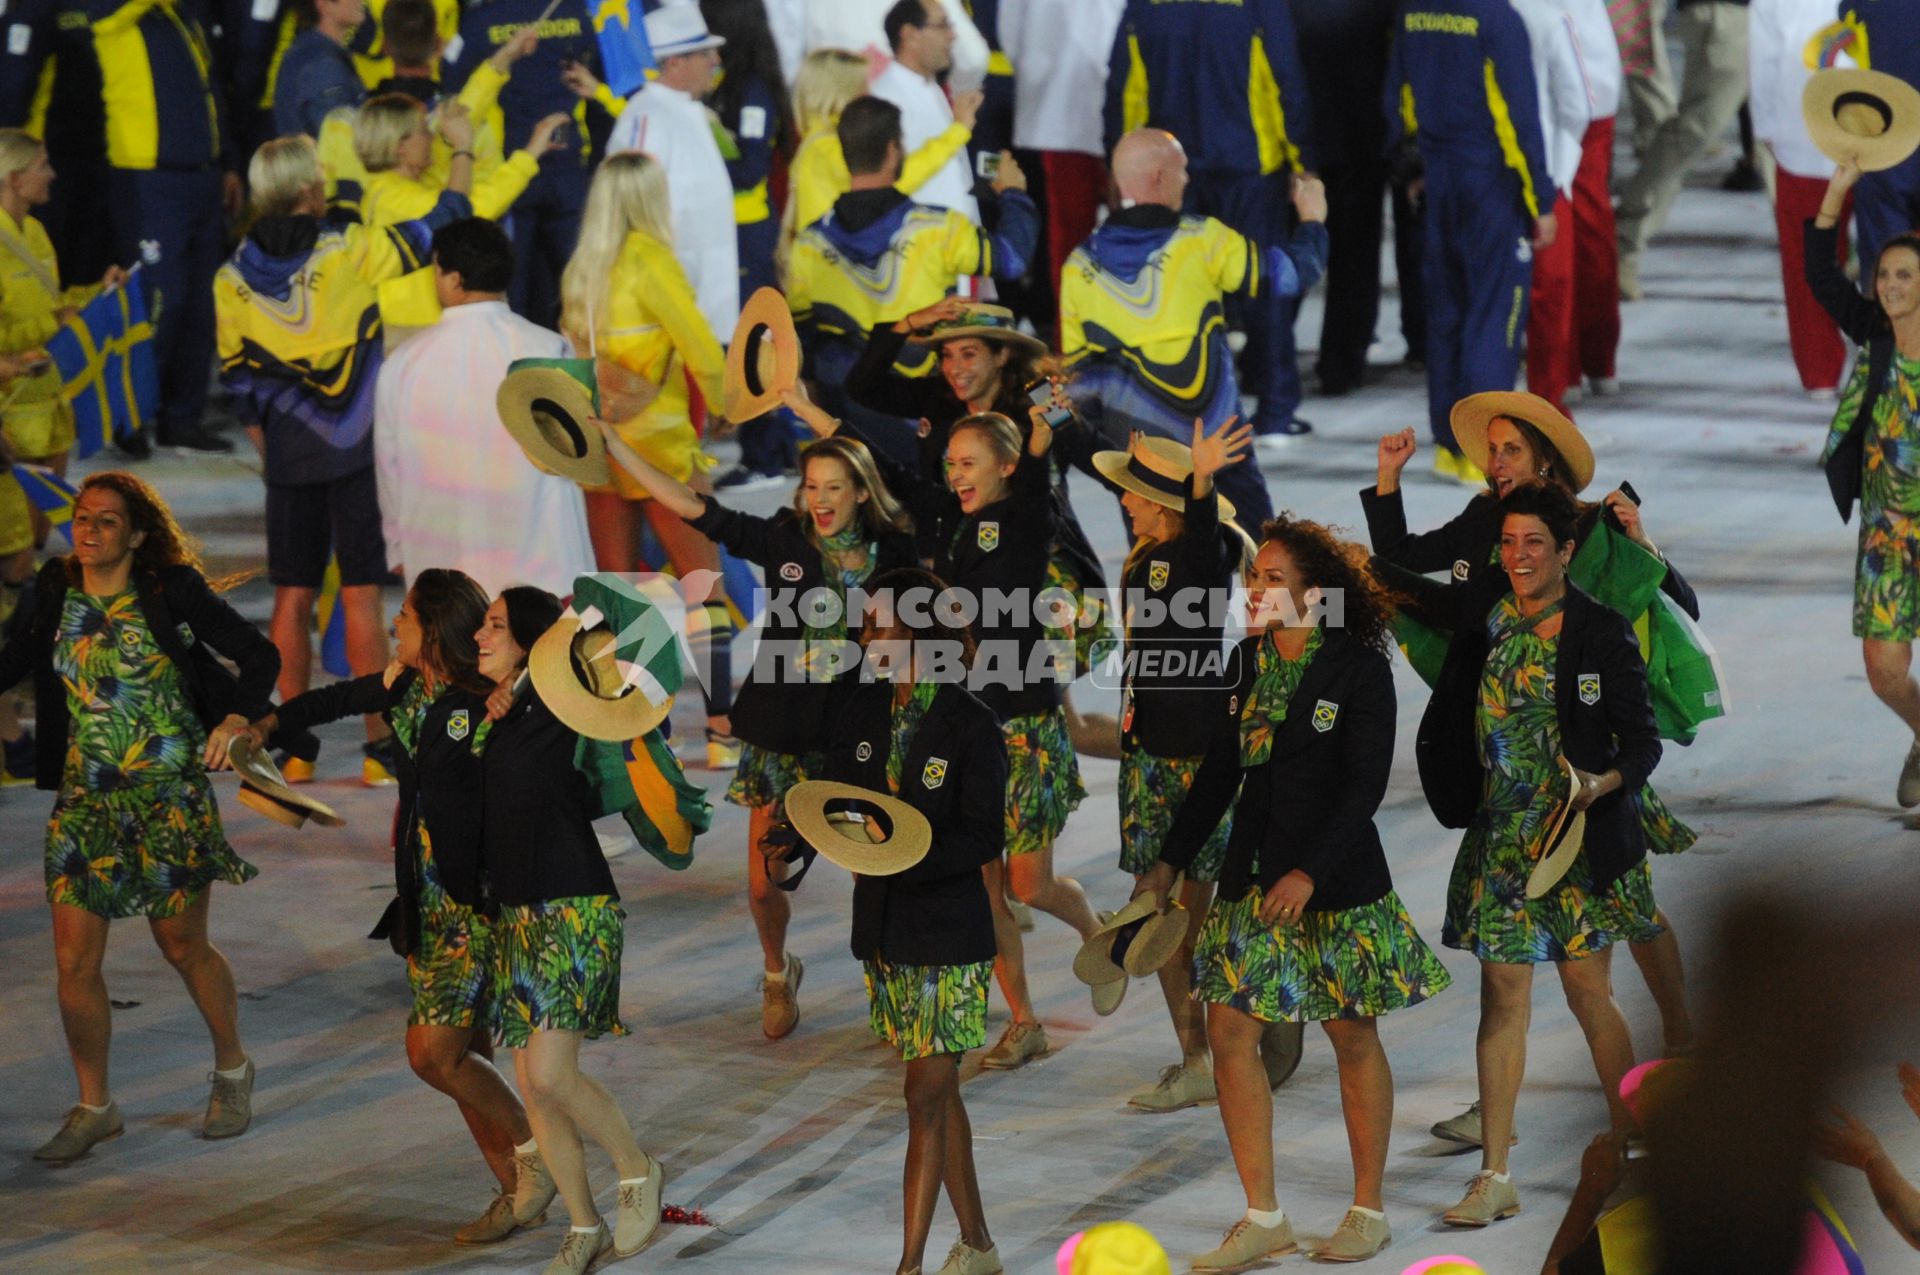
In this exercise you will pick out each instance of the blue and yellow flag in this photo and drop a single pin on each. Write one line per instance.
(51, 494)
(332, 619)
(625, 55)
(106, 363)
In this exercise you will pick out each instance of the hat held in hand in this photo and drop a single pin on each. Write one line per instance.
(1868, 117)
(610, 664)
(1135, 941)
(763, 362)
(868, 832)
(548, 406)
(263, 789)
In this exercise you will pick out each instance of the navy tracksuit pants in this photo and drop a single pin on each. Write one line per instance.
(545, 224)
(172, 220)
(1478, 270)
(1261, 208)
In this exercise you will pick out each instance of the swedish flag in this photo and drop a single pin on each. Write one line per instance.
(51, 494)
(625, 55)
(107, 371)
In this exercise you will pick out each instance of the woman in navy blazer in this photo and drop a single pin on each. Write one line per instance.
(925, 936)
(1307, 926)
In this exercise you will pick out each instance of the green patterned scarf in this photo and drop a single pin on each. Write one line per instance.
(1507, 620)
(1275, 679)
(822, 637)
(906, 719)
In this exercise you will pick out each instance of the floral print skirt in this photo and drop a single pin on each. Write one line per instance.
(765, 776)
(1490, 915)
(1151, 789)
(1886, 576)
(1043, 780)
(142, 850)
(556, 967)
(1356, 963)
(924, 1010)
(451, 971)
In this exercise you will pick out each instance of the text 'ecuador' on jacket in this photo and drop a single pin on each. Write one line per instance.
(1461, 82)
(1310, 805)
(775, 707)
(954, 773)
(1225, 79)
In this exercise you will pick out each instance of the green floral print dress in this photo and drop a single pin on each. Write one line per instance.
(1518, 727)
(1886, 580)
(134, 830)
(1357, 962)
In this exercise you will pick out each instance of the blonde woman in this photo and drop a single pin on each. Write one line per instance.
(842, 528)
(828, 80)
(393, 138)
(625, 297)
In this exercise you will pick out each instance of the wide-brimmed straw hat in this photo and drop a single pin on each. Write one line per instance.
(1561, 837)
(262, 788)
(547, 405)
(988, 323)
(864, 831)
(1158, 469)
(609, 666)
(1473, 415)
(763, 361)
(1134, 942)
(1869, 117)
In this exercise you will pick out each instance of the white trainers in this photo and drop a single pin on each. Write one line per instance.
(1181, 1086)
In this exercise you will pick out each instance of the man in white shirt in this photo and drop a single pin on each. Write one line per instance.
(922, 35)
(1777, 35)
(668, 119)
(860, 26)
(455, 489)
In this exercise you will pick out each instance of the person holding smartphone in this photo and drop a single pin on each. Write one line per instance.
(1520, 440)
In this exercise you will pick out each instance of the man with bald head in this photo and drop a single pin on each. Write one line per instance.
(1142, 305)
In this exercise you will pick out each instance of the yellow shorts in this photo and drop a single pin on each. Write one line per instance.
(39, 429)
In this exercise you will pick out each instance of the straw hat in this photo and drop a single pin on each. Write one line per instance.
(1561, 838)
(763, 362)
(263, 789)
(886, 837)
(1868, 117)
(1472, 416)
(1135, 941)
(545, 404)
(1156, 468)
(989, 323)
(610, 664)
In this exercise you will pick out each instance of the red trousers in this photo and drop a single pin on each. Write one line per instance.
(1076, 188)
(1596, 265)
(1552, 360)
(1818, 351)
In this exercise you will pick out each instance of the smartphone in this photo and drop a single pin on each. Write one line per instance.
(1040, 394)
(987, 164)
(1626, 489)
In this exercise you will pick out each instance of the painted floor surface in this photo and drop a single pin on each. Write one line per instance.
(794, 1149)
